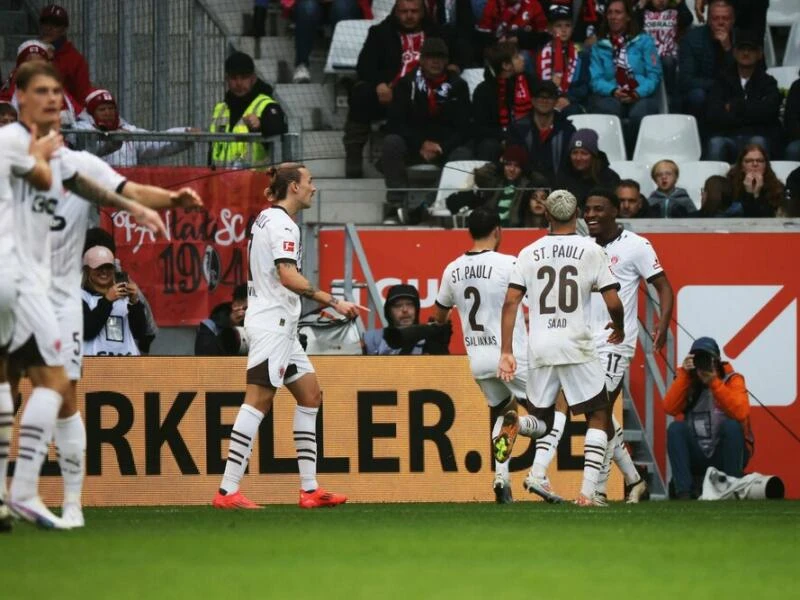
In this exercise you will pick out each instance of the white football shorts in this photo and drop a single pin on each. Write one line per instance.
(582, 384)
(274, 359)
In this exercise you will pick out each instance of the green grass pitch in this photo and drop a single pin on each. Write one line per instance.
(527, 550)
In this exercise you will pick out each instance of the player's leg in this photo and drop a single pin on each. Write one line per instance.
(499, 401)
(302, 382)
(585, 391)
(547, 445)
(6, 427)
(515, 424)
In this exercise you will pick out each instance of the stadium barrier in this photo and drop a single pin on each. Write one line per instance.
(392, 429)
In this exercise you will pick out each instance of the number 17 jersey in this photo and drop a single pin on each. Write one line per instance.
(476, 284)
(559, 273)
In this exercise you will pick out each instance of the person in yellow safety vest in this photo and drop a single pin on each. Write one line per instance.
(248, 108)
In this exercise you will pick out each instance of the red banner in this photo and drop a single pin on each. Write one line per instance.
(204, 258)
(742, 289)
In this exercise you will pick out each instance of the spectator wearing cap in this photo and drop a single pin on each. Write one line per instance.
(705, 51)
(428, 119)
(522, 22)
(744, 104)
(101, 114)
(8, 114)
(248, 107)
(502, 102)
(588, 167)
(35, 50)
(390, 52)
(561, 61)
(625, 70)
(53, 25)
(401, 310)
(715, 428)
(547, 139)
(632, 203)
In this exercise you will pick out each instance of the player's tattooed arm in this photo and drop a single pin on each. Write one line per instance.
(293, 280)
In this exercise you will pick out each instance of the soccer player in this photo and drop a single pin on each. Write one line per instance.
(476, 283)
(68, 234)
(35, 341)
(275, 356)
(632, 260)
(559, 272)
(32, 165)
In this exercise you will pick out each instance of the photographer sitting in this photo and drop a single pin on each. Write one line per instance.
(715, 430)
(221, 333)
(404, 334)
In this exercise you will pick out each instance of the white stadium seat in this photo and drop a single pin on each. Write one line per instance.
(456, 175)
(381, 9)
(694, 174)
(473, 77)
(667, 136)
(609, 133)
(348, 39)
(791, 57)
(639, 172)
(783, 168)
(783, 13)
(785, 76)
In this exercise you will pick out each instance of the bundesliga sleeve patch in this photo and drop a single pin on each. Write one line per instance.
(288, 246)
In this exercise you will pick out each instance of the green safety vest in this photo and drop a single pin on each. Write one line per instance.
(227, 154)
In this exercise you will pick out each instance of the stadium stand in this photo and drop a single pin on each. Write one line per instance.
(473, 77)
(694, 175)
(785, 76)
(609, 133)
(667, 136)
(783, 168)
(791, 56)
(639, 172)
(348, 37)
(782, 13)
(456, 175)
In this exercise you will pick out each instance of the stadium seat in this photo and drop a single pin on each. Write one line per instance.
(663, 98)
(473, 77)
(609, 133)
(770, 59)
(456, 175)
(694, 175)
(381, 9)
(791, 57)
(348, 38)
(785, 76)
(667, 136)
(783, 13)
(783, 168)
(639, 172)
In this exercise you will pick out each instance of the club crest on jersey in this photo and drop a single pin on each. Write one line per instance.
(288, 246)
(614, 259)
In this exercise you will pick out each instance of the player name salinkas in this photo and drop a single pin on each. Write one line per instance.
(472, 272)
(567, 251)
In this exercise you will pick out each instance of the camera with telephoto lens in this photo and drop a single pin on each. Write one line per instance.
(703, 361)
(437, 337)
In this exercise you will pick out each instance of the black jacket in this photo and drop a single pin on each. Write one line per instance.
(752, 110)
(382, 54)
(95, 320)
(792, 114)
(409, 115)
(580, 185)
(486, 107)
(700, 58)
(550, 157)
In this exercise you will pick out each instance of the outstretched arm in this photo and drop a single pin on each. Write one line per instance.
(294, 281)
(157, 197)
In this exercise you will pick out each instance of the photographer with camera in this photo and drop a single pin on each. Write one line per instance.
(113, 315)
(405, 335)
(715, 430)
(222, 333)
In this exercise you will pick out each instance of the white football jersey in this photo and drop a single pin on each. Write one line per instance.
(559, 273)
(70, 222)
(476, 284)
(275, 237)
(632, 259)
(33, 213)
(14, 160)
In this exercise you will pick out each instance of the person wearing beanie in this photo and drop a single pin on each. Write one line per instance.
(401, 309)
(248, 107)
(501, 103)
(35, 50)
(101, 114)
(547, 139)
(428, 120)
(53, 25)
(588, 166)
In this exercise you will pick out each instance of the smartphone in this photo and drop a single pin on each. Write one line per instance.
(120, 277)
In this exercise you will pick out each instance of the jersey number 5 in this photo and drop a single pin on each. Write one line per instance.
(567, 289)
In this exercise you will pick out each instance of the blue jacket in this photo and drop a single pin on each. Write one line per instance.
(643, 60)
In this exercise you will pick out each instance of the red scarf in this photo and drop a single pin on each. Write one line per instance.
(521, 103)
(551, 62)
(434, 91)
(589, 11)
(411, 44)
(622, 70)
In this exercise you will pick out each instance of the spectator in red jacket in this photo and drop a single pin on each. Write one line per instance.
(520, 21)
(53, 25)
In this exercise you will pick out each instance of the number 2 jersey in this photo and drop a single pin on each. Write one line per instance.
(476, 284)
(559, 273)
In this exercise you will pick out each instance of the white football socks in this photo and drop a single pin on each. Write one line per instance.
(546, 446)
(70, 441)
(594, 451)
(35, 432)
(531, 427)
(243, 435)
(500, 468)
(622, 457)
(305, 442)
(6, 427)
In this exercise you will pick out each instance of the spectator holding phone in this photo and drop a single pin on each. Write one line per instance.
(113, 314)
(715, 430)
